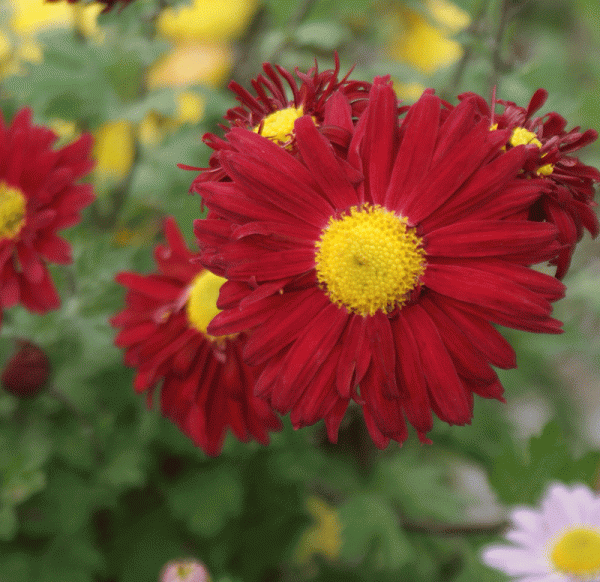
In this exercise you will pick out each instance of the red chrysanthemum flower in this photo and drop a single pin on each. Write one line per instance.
(384, 291)
(38, 197)
(274, 110)
(109, 4)
(206, 386)
(568, 200)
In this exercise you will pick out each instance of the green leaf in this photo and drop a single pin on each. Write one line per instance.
(419, 485)
(322, 35)
(8, 522)
(370, 526)
(16, 567)
(207, 500)
(65, 505)
(519, 478)
(125, 468)
(72, 558)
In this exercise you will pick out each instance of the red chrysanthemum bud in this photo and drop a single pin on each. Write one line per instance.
(184, 571)
(27, 371)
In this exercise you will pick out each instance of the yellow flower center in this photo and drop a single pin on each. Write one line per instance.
(279, 125)
(183, 571)
(12, 211)
(577, 552)
(202, 303)
(369, 259)
(522, 136)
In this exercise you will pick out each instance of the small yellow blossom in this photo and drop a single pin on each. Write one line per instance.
(409, 91)
(324, 537)
(424, 42)
(448, 15)
(114, 150)
(207, 20)
(154, 127)
(190, 107)
(192, 64)
(32, 16)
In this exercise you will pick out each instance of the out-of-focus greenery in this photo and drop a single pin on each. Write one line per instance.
(96, 488)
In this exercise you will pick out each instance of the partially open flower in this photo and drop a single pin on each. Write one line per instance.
(206, 386)
(568, 199)
(38, 197)
(27, 371)
(275, 108)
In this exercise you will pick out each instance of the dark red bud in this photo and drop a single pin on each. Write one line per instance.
(27, 371)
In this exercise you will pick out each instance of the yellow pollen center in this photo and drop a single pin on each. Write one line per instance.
(279, 125)
(577, 552)
(184, 571)
(12, 211)
(522, 136)
(369, 259)
(201, 306)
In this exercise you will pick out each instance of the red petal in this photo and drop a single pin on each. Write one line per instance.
(416, 150)
(445, 387)
(481, 287)
(320, 160)
(490, 238)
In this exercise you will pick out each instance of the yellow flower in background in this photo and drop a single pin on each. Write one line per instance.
(192, 64)
(189, 109)
(448, 15)
(324, 537)
(114, 150)
(187, 64)
(207, 20)
(426, 43)
(409, 91)
(32, 16)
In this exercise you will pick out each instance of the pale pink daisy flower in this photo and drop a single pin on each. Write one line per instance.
(559, 542)
(184, 571)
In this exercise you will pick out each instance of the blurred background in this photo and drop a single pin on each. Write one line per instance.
(96, 488)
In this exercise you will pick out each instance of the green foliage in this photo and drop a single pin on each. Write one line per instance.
(371, 533)
(206, 501)
(519, 478)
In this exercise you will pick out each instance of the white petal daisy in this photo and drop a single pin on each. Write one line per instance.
(559, 542)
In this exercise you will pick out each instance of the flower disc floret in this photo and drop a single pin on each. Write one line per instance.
(279, 125)
(522, 136)
(577, 552)
(12, 211)
(202, 307)
(369, 260)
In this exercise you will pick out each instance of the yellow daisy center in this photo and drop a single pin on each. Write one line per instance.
(369, 259)
(184, 570)
(201, 306)
(279, 125)
(522, 136)
(12, 211)
(577, 552)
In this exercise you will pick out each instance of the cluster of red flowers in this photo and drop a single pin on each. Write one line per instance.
(357, 251)
(38, 197)
(354, 251)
